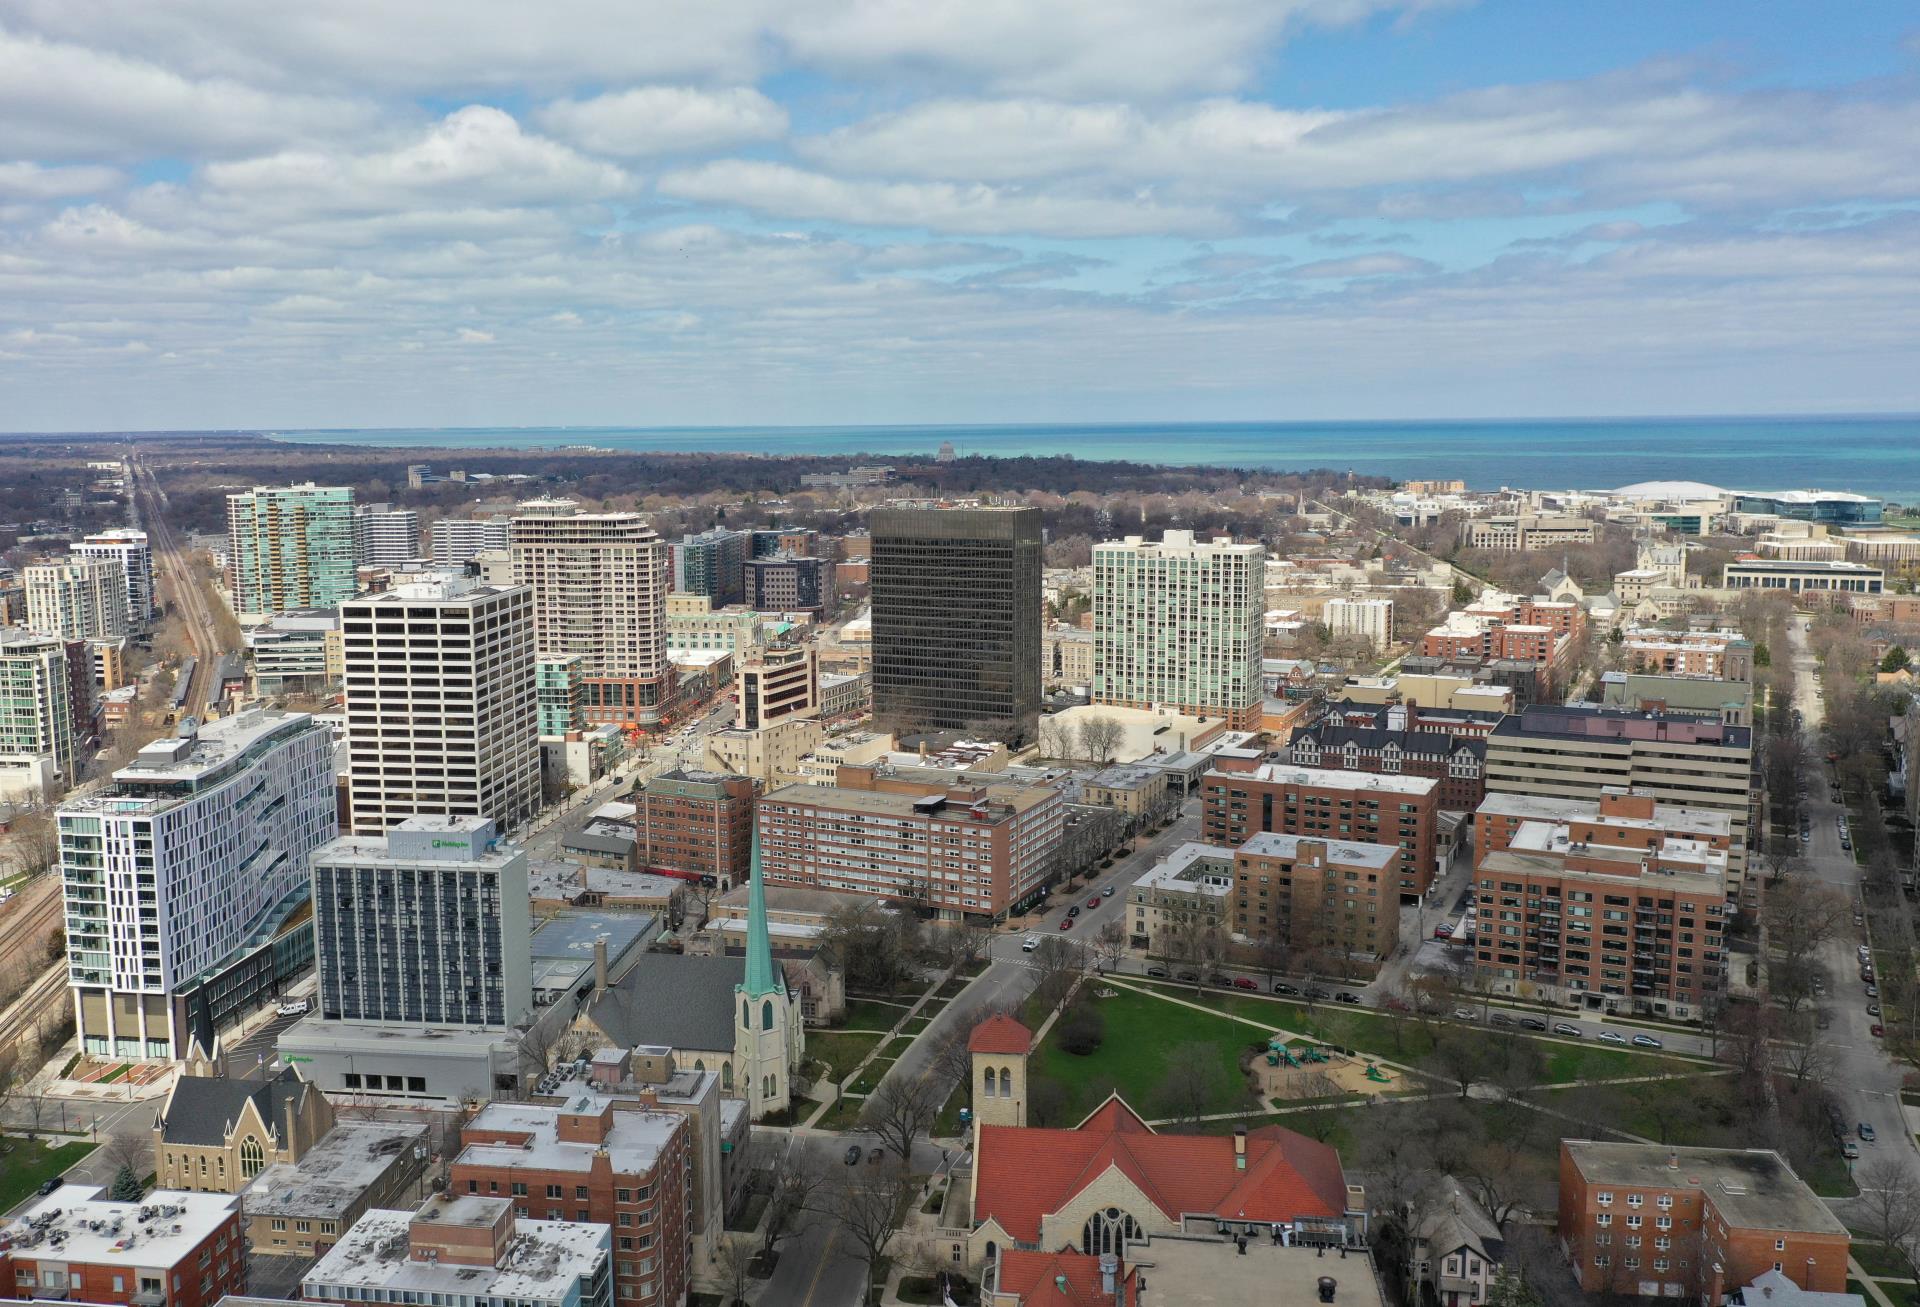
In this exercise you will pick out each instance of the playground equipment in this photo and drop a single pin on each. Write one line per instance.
(1378, 1076)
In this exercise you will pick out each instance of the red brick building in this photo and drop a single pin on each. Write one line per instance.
(1613, 820)
(696, 825)
(593, 1161)
(1457, 766)
(189, 1250)
(1697, 1223)
(1401, 811)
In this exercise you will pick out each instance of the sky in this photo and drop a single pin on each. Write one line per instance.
(224, 214)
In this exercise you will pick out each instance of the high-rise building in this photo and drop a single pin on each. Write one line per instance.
(712, 564)
(290, 547)
(1344, 806)
(1367, 619)
(78, 598)
(385, 536)
(136, 559)
(426, 925)
(455, 540)
(790, 583)
(777, 681)
(197, 846)
(696, 824)
(560, 694)
(36, 716)
(1177, 625)
(956, 619)
(599, 584)
(440, 703)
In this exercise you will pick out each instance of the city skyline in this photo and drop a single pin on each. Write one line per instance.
(839, 212)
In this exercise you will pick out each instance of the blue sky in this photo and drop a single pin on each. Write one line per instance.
(476, 212)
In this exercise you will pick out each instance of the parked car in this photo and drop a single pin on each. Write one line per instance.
(1873, 991)
(1465, 1014)
(1107, 893)
(49, 1184)
(292, 1007)
(1346, 997)
(1443, 931)
(1074, 911)
(1245, 982)
(853, 1154)
(1220, 979)
(1647, 1041)
(1314, 991)
(1500, 1019)
(1866, 1133)
(1873, 1009)
(1187, 975)
(1613, 1037)
(1877, 1030)
(1158, 973)
(1849, 1150)
(1532, 1023)
(1282, 987)
(1567, 1028)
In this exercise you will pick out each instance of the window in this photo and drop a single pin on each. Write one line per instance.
(1006, 1083)
(1779, 1245)
(1603, 1198)
(987, 1083)
(1108, 1231)
(579, 1191)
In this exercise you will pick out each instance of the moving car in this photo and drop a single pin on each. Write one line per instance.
(1107, 893)
(1066, 923)
(1094, 902)
(1647, 1041)
(1074, 911)
(1567, 1028)
(292, 1007)
(1866, 1133)
(1031, 943)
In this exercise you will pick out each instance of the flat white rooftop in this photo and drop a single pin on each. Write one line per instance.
(544, 1259)
(77, 1225)
(1281, 773)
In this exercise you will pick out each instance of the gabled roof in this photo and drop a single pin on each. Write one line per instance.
(1062, 1279)
(1370, 738)
(681, 1001)
(202, 1109)
(1000, 1034)
(1024, 1174)
(1456, 1221)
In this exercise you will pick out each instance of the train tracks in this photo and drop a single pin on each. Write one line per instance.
(172, 562)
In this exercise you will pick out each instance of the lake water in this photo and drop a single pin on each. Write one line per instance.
(1870, 455)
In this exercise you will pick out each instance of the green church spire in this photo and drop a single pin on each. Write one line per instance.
(761, 977)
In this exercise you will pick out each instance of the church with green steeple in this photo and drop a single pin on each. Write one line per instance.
(770, 1037)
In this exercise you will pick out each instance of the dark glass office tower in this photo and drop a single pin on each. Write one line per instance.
(956, 620)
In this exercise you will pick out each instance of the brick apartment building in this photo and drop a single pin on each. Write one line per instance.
(1330, 897)
(1695, 1223)
(1616, 819)
(1723, 655)
(1459, 723)
(1530, 682)
(170, 1249)
(963, 850)
(695, 824)
(1458, 766)
(591, 1162)
(1613, 926)
(1401, 811)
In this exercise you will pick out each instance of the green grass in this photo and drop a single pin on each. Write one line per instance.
(1876, 1259)
(840, 1052)
(870, 1078)
(1143, 1037)
(947, 1124)
(843, 1115)
(114, 1074)
(917, 1025)
(872, 1014)
(31, 1162)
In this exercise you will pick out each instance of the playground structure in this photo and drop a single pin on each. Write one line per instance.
(1302, 1069)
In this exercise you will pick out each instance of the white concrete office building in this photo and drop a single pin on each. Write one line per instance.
(385, 536)
(193, 847)
(426, 925)
(440, 703)
(1177, 625)
(77, 598)
(1369, 619)
(136, 559)
(36, 716)
(455, 540)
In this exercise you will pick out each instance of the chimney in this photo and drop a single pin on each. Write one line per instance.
(1239, 1148)
(599, 966)
(1109, 1274)
(1673, 1160)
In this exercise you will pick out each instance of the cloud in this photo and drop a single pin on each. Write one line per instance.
(652, 120)
(471, 336)
(1624, 229)
(1361, 265)
(30, 181)
(71, 101)
(937, 206)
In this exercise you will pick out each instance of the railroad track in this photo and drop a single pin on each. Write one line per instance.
(172, 561)
(30, 914)
(21, 1019)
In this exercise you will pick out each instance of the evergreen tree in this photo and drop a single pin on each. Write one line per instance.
(1509, 1290)
(1896, 659)
(126, 1187)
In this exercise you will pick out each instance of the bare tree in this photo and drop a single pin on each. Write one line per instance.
(736, 1270)
(900, 1111)
(1888, 1210)
(1805, 1052)
(1100, 736)
(1110, 945)
(1195, 1083)
(866, 1204)
(132, 1153)
(791, 1198)
(33, 840)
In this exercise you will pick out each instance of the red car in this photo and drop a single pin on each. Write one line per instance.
(1066, 923)
(1443, 931)
(1094, 902)
(1243, 982)
(1879, 1031)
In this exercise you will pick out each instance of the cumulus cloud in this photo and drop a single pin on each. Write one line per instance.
(1361, 265)
(31, 181)
(651, 120)
(936, 206)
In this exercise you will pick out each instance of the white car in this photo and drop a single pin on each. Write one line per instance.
(1032, 943)
(292, 1007)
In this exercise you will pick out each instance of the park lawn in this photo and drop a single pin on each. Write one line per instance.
(1144, 1039)
(874, 1014)
(31, 1162)
(870, 1078)
(840, 1052)
(843, 1115)
(1876, 1259)
(917, 1025)
(947, 1124)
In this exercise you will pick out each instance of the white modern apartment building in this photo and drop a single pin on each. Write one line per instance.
(196, 844)
(385, 536)
(136, 559)
(36, 716)
(426, 925)
(1368, 619)
(78, 598)
(455, 540)
(440, 703)
(1176, 626)
(599, 584)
